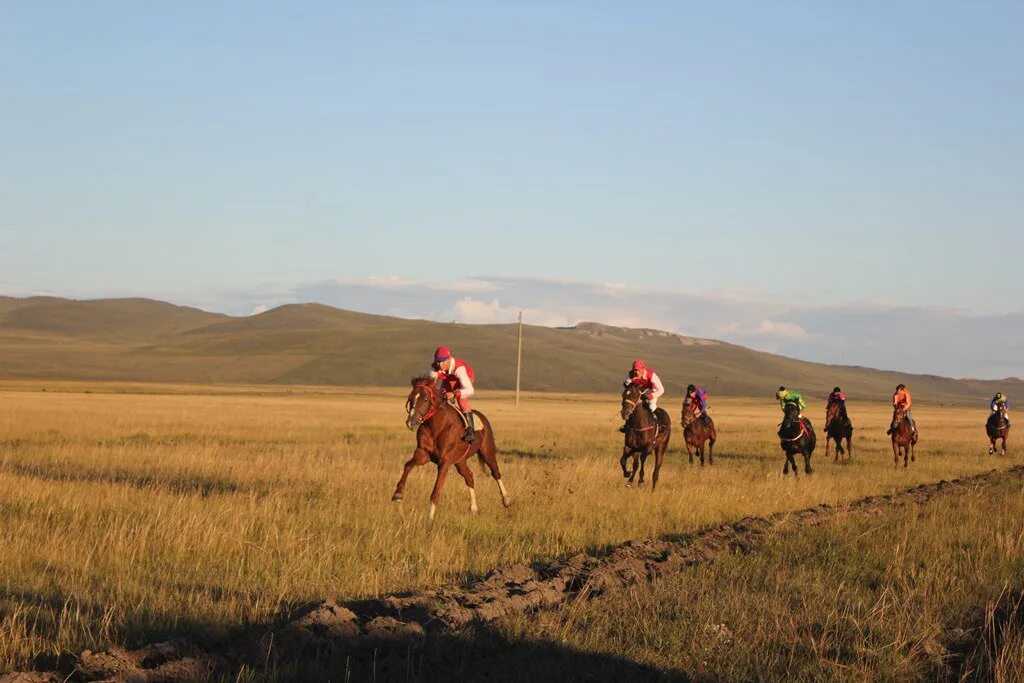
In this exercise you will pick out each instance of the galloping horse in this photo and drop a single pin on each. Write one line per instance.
(903, 437)
(696, 431)
(997, 427)
(644, 435)
(439, 429)
(796, 436)
(837, 428)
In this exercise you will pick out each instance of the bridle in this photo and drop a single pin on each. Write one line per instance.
(419, 392)
(632, 404)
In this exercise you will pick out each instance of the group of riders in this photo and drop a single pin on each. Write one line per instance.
(456, 377)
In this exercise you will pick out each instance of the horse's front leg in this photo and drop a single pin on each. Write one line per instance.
(419, 457)
(643, 464)
(636, 466)
(622, 461)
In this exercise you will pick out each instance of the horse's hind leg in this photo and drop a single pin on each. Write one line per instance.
(419, 457)
(711, 451)
(488, 453)
(849, 447)
(467, 473)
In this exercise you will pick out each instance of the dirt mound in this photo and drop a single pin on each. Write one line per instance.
(327, 629)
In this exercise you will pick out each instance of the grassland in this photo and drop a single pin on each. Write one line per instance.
(130, 515)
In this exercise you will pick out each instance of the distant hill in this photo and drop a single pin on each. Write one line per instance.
(145, 340)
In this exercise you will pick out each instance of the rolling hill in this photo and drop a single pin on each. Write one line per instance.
(145, 340)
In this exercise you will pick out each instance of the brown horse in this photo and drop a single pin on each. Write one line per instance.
(796, 436)
(903, 437)
(997, 427)
(697, 431)
(439, 430)
(838, 427)
(646, 433)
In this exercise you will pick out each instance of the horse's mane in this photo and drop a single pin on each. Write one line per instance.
(422, 380)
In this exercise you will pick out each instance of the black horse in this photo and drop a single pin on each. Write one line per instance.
(838, 427)
(646, 434)
(796, 436)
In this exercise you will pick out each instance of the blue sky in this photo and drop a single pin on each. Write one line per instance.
(815, 161)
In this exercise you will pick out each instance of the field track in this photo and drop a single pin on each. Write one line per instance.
(327, 629)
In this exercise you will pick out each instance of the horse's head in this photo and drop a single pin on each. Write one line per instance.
(831, 412)
(689, 411)
(631, 397)
(790, 414)
(898, 415)
(424, 400)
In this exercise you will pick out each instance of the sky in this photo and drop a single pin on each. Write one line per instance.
(834, 181)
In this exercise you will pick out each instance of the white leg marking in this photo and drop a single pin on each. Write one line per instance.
(472, 500)
(504, 493)
(433, 509)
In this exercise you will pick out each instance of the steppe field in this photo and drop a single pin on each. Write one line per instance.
(136, 513)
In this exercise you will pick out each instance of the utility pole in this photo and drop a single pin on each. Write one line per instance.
(519, 356)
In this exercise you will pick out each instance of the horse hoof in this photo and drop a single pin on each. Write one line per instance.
(507, 502)
(397, 498)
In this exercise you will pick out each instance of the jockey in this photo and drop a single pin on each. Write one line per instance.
(457, 378)
(698, 400)
(998, 403)
(838, 397)
(901, 400)
(789, 396)
(650, 385)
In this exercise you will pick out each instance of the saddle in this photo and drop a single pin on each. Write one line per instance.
(478, 425)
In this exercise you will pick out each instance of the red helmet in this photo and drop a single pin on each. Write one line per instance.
(639, 365)
(443, 353)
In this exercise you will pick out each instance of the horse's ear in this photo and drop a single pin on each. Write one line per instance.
(413, 381)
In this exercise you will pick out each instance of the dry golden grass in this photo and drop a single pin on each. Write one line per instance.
(124, 516)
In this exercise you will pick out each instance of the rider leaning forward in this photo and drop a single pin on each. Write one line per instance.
(789, 396)
(1000, 403)
(649, 383)
(901, 401)
(456, 376)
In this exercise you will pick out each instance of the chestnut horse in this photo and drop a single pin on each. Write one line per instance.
(796, 436)
(439, 430)
(644, 435)
(838, 427)
(997, 427)
(697, 431)
(903, 437)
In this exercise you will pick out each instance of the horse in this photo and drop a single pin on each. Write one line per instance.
(796, 436)
(838, 427)
(698, 430)
(903, 437)
(997, 427)
(646, 433)
(439, 429)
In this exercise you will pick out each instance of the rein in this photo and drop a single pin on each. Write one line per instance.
(434, 406)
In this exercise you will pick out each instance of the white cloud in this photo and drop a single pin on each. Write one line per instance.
(774, 330)
(469, 310)
(262, 308)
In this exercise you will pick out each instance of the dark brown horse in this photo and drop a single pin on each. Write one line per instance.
(644, 435)
(796, 435)
(997, 427)
(439, 430)
(903, 437)
(698, 430)
(838, 427)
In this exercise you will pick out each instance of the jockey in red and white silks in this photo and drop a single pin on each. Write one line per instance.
(648, 381)
(457, 378)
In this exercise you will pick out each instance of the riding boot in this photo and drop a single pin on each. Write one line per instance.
(470, 435)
